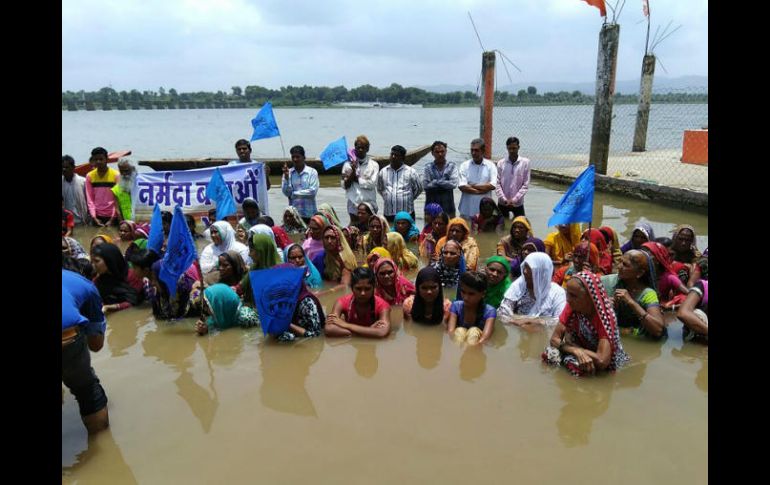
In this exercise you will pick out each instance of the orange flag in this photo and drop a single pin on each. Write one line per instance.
(598, 4)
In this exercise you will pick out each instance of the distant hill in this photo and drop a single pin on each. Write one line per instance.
(689, 84)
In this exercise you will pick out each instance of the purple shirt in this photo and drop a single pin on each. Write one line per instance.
(512, 180)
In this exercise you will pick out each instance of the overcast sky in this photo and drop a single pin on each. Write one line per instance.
(211, 45)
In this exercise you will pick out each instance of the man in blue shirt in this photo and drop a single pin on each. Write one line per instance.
(83, 325)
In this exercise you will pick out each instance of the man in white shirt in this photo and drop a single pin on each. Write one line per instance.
(478, 177)
(359, 179)
(73, 189)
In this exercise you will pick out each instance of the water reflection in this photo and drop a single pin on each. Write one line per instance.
(366, 362)
(694, 353)
(473, 363)
(285, 367)
(642, 351)
(532, 341)
(585, 400)
(101, 459)
(124, 329)
(430, 338)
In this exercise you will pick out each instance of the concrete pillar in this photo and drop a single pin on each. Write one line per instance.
(487, 100)
(606, 65)
(643, 112)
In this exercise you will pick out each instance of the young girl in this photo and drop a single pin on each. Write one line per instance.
(428, 305)
(471, 317)
(488, 219)
(361, 312)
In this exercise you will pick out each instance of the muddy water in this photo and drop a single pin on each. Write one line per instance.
(232, 407)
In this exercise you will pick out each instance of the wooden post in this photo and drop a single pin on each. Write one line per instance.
(606, 65)
(643, 112)
(487, 100)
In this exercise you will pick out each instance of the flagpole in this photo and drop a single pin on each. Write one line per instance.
(282, 148)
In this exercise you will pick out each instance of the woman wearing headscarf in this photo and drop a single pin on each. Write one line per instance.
(328, 211)
(611, 237)
(509, 247)
(295, 255)
(374, 255)
(439, 225)
(267, 231)
(337, 261)
(97, 240)
(129, 231)
(534, 298)
(585, 257)
(531, 245)
(308, 317)
(451, 264)
(224, 309)
(405, 258)
(641, 234)
(605, 257)
(586, 340)
(281, 238)
(73, 248)
(685, 250)
(251, 214)
(377, 236)
(560, 244)
(431, 211)
(488, 219)
(112, 278)
(223, 239)
(671, 290)
(405, 225)
(313, 243)
(365, 211)
(459, 231)
(264, 255)
(184, 302)
(292, 221)
(498, 273)
(391, 285)
(637, 309)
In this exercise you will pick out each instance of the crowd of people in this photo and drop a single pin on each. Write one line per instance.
(579, 281)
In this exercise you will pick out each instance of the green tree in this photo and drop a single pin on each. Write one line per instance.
(237, 92)
(531, 90)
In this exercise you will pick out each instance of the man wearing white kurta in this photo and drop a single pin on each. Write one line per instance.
(478, 177)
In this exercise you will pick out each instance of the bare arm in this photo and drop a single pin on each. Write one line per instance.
(489, 326)
(451, 323)
(651, 318)
(686, 314)
(333, 326)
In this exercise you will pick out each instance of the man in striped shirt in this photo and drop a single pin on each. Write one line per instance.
(398, 184)
(300, 184)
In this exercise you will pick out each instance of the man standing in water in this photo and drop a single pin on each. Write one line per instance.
(478, 177)
(512, 180)
(399, 185)
(122, 190)
(440, 179)
(99, 184)
(300, 184)
(73, 189)
(359, 179)
(82, 331)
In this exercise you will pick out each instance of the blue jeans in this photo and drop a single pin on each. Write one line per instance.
(78, 375)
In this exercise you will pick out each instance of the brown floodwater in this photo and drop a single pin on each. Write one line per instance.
(234, 407)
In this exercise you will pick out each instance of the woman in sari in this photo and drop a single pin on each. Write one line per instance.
(97, 240)
(295, 255)
(263, 255)
(374, 255)
(224, 309)
(308, 318)
(641, 234)
(611, 237)
(184, 303)
(267, 231)
(328, 211)
(377, 237)
(694, 313)
(337, 261)
(396, 246)
(671, 290)
(605, 257)
(231, 267)
(586, 340)
(531, 245)
(458, 230)
(292, 221)
(405, 225)
(585, 257)
(498, 273)
(112, 278)
(223, 240)
(313, 243)
(560, 244)
(391, 285)
(365, 212)
(451, 264)
(129, 231)
(438, 225)
(685, 250)
(534, 298)
(488, 219)
(431, 211)
(510, 246)
(251, 214)
(72, 248)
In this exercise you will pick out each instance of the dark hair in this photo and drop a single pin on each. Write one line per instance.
(297, 149)
(166, 216)
(266, 220)
(607, 235)
(190, 223)
(80, 266)
(703, 264)
(479, 141)
(361, 273)
(665, 241)
(251, 203)
(437, 143)
(98, 151)
(425, 275)
(443, 216)
(237, 268)
(512, 139)
(399, 149)
(477, 281)
(242, 142)
(144, 258)
(68, 160)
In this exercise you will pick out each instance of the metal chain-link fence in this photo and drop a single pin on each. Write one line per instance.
(557, 138)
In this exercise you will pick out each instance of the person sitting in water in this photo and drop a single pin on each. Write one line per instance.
(428, 304)
(641, 234)
(336, 262)
(67, 220)
(405, 258)
(221, 308)
(295, 255)
(263, 255)
(531, 245)
(185, 302)
(112, 278)
(451, 264)
(293, 222)
(232, 268)
(365, 212)
(533, 299)
(498, 273)
(458, 230)
(586, 340)
(439, 225)
(605, 256)
(685, 252)
(97, 240)
(223, 239)
(374, 255)
(308, 318)
(636, 302)
(191, 225)
(313, 243)
(694, 311)
(251, 213)
(405, 225)
(560, 244)
(361, 312)
(431, 211)
(509, 247)
(488, 219)
(611, 237)
(282, 239)
(377, 236)
(585, 257)
(671, 290)
(140, 272)
(474, 319)
(391, 285)
(74, 258)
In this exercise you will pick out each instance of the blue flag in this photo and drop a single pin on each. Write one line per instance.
(275, 294)
(577, 204)
(180, 252)
(155, 239)
(264, 123)
(335, 153)
(218, 191)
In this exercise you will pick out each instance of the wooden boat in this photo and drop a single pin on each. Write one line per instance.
(275, 164)
(112, 157)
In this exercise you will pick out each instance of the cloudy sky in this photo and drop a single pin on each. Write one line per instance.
(211, 45)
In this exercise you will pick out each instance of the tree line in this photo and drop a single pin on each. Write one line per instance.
(253, 96)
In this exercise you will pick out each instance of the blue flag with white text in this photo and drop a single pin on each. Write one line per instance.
(180, 252)
(218, 191)
(335, 153)
(275, 294)
(155, 238)
(577, 204)
(264, 123)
